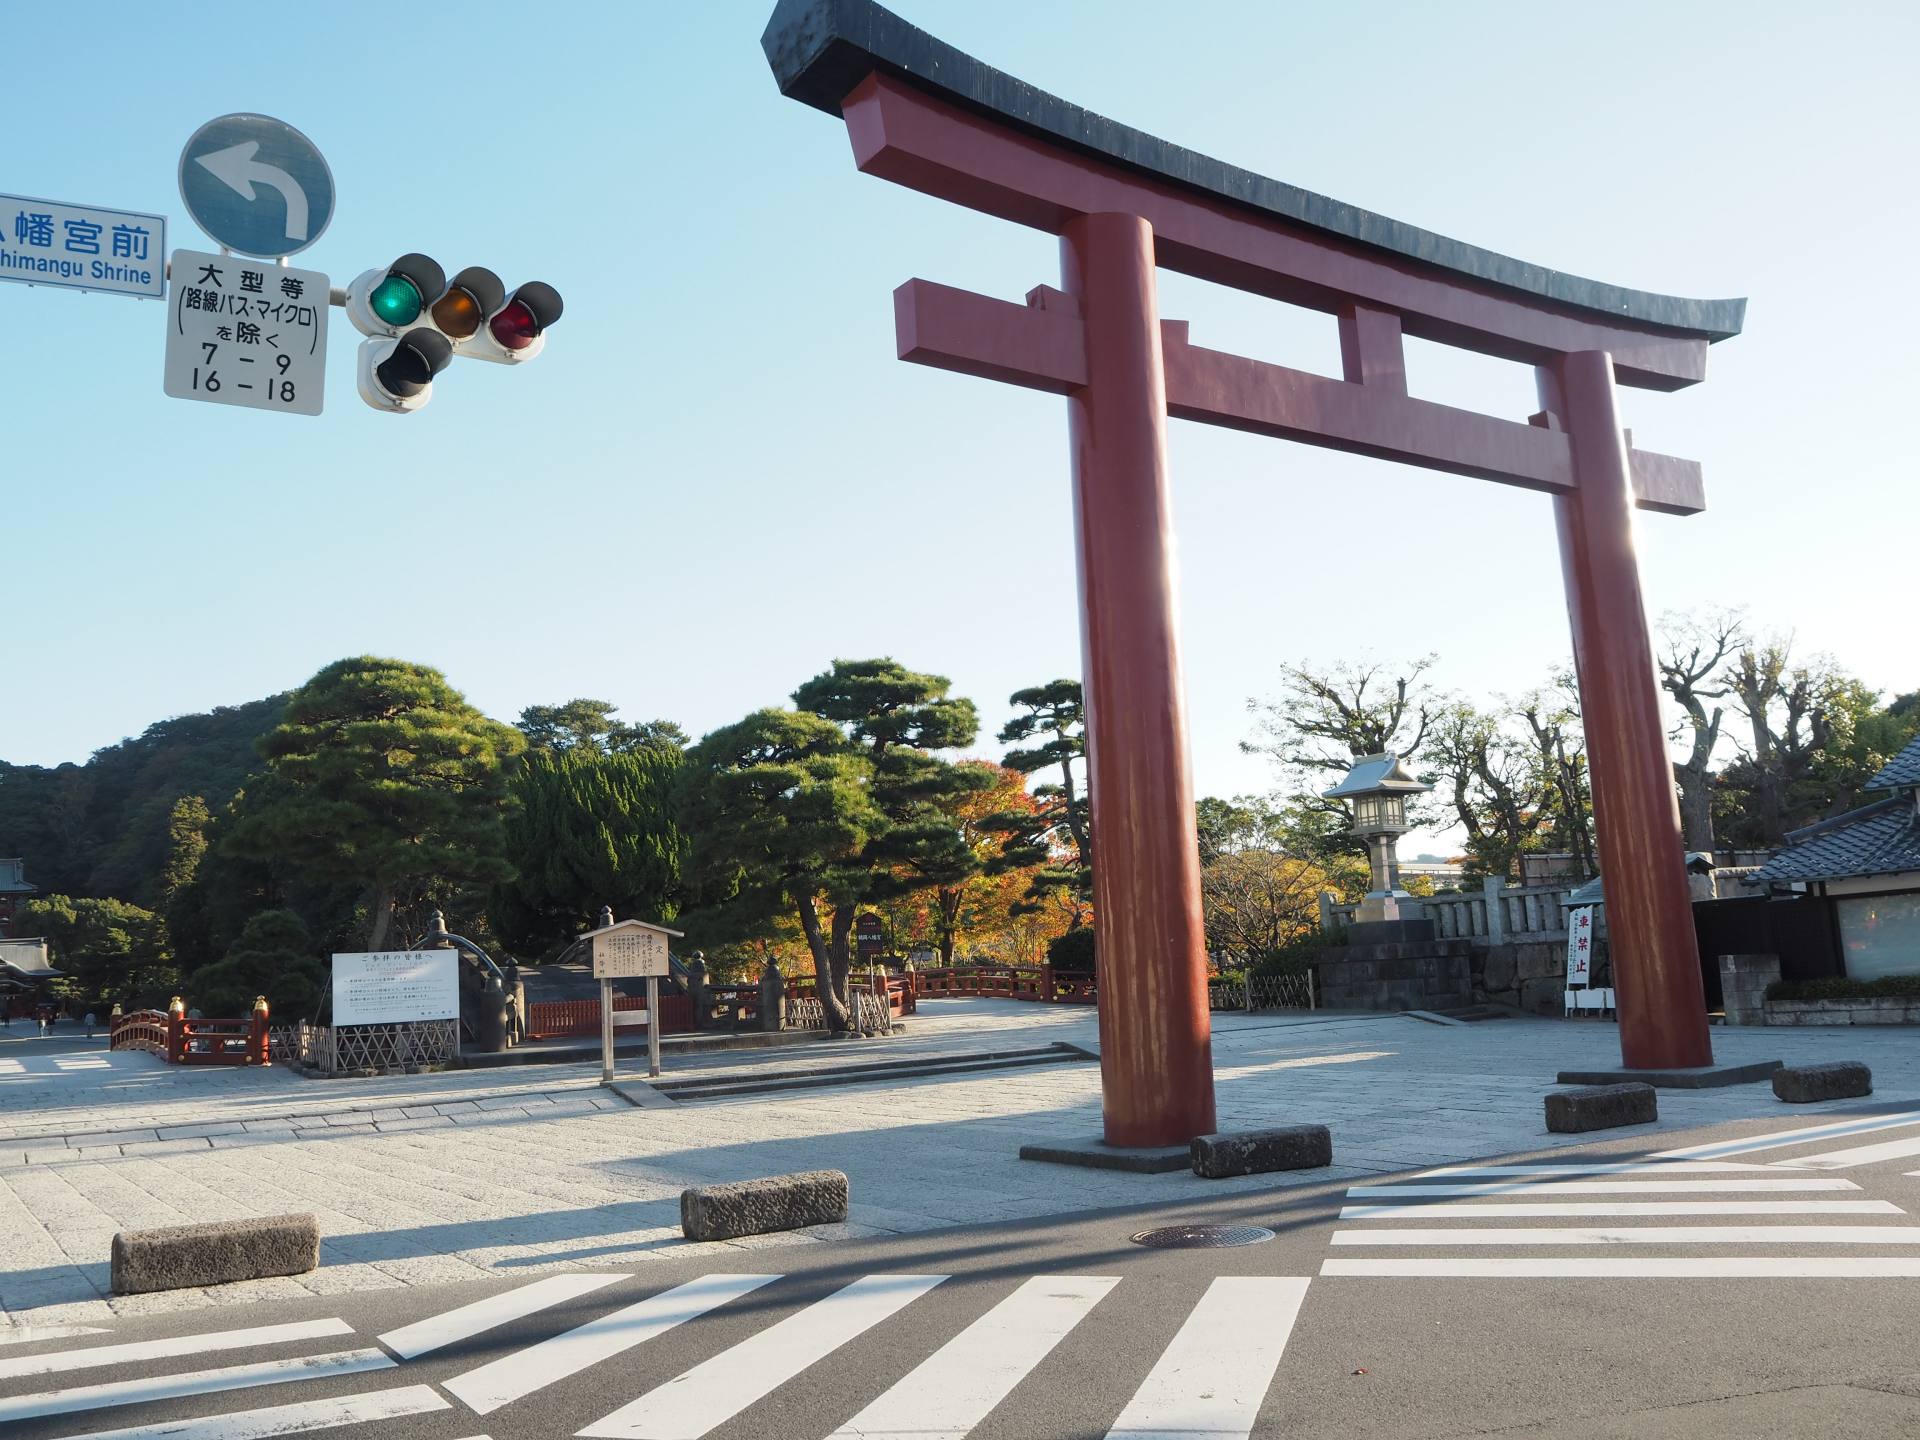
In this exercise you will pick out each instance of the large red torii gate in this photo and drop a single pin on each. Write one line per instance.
(925, 115)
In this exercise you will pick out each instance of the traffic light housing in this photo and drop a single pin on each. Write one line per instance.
(408, 306)
(396, 374)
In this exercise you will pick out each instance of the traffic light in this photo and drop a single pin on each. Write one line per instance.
(397, 374)
(417, 320)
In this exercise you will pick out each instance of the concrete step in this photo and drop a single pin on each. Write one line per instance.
(867, 1072)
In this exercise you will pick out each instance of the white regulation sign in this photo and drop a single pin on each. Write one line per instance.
(246, 332)
(1579, 946)
(390, 987)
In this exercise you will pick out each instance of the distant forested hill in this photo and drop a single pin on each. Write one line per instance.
(100, 829)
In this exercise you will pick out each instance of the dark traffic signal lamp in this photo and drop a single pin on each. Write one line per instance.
(397, 374)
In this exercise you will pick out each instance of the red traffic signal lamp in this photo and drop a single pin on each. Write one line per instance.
(397, 374)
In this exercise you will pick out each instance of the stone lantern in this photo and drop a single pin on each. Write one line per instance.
(1377, 788)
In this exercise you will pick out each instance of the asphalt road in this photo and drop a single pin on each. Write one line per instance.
(1772, 1289)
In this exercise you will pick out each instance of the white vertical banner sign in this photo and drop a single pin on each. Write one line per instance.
(1579, 946)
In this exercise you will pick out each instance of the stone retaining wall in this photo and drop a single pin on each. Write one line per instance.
(1529, 975)
(1426, 975)
(1865, 1010)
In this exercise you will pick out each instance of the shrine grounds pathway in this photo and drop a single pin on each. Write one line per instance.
(421, 1180)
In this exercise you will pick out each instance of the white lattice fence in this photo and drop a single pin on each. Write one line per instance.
(1263, 992)
(872, 1015)
(342, 1049)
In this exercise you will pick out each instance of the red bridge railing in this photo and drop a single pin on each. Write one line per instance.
(182, 1041)
(549, 1018)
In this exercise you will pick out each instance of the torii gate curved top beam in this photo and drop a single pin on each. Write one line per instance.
(922, 114)
(822, 50)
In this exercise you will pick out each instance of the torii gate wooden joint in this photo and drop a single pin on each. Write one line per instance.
(927, 116)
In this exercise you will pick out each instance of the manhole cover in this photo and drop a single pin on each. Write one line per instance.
(1202, 1237)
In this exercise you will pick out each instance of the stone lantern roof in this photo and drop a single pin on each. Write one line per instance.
(1376, 775)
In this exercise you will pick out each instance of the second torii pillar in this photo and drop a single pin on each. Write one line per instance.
(1156, 1049)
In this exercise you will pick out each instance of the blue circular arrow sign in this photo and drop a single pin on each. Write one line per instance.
(256, 185)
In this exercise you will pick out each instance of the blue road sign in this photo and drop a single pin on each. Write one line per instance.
(82, 247)
(256, 185)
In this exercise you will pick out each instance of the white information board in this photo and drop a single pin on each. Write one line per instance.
(82, 247)
(387, 987)
(629, 954)
(1579, 946)
(246, 332)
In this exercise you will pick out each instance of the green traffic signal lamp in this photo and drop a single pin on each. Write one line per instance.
(389, 300)
(395, 300)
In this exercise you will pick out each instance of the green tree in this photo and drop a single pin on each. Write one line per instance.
(110, 950)
(1053, 841)
(589, 725)
(841, 803)
(274, 956)
(388, 781)
(780, 813)
(588, 829)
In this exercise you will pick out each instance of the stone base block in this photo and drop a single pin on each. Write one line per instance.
(1834, 1080)
(760, 1207)
(1255, 1152)
(1601, 1107)
(1697, 1077)
(181, 1257)
(1095, 1154)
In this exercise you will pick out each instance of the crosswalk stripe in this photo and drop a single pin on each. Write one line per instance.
(1860, 1155)
(511, 1377)
(197, 1382)
(31, 1334)
(1566, 1209)
(365, 1408)
(1636, 1167)
(955, 1388)
(1644, 1235)
(1780, 1139)
(1595, 1187)
(436, 1331)
(1209, 1382)
(1771, 1267)
(717, 1389)
(97, 1355)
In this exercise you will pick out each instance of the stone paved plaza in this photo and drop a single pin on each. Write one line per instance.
(520, 1171)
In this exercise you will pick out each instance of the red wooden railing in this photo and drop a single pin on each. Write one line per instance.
(181, 1041)
(548, 1018)
(142, 1030)
(1006, 982)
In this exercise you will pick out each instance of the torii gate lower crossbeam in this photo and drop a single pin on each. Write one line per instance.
(925, 115)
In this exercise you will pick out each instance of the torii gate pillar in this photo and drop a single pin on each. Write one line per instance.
(1657, 986)
(1156, 1050)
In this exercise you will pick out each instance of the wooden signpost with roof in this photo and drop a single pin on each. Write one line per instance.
(1125, 204)
(629, 950)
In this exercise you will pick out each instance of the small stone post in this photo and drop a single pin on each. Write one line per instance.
(773, 997)
(1494, 888)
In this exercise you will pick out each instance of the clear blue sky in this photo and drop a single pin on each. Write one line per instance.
(718, 478)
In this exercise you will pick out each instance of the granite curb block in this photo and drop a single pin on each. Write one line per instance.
(1601, 1107)
(185, 1257)
(761, 1207)
(1256, 1152)
(1829, 1080)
